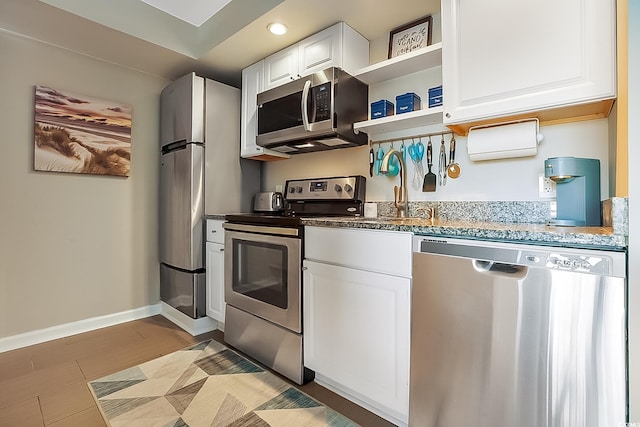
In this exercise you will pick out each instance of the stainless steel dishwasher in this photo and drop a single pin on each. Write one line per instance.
(516, 335)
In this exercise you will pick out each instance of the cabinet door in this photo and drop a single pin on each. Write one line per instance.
(320, 51)
(530, 56)
(357, 333)
(281, 67)
(215, 281)
(252, 84)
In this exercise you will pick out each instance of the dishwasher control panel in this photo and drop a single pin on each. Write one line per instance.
(587, 264)
(565, 261)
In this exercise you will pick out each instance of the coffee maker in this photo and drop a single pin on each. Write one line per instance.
(577, 190)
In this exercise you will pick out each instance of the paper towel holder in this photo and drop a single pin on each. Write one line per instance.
(483, 144)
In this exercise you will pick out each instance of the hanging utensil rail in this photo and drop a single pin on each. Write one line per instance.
(407, 138)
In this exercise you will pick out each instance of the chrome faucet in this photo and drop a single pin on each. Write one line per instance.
(400, 194)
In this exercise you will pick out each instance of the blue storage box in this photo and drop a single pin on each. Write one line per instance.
(435, 101)
(435, 96)
(435, 91)
(407, 102)
(382, 108)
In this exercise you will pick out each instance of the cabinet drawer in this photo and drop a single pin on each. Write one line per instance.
(215, 232)
(379, 251)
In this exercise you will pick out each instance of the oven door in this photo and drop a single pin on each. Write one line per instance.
(262, 272)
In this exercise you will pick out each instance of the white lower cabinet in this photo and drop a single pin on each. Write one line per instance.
(215, 281)
(214, 256)
(357, 321)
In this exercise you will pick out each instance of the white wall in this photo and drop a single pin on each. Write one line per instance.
(73, 246)
(506, 179)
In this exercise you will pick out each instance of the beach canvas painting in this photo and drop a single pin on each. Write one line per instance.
(79, 134)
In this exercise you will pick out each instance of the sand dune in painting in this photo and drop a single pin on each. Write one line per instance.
(81, 135)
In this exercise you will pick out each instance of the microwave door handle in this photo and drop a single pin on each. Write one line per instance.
(303, 104)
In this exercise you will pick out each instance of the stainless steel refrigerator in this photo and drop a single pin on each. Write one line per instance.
(201, 173)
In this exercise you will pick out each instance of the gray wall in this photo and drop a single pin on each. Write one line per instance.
(72, 246)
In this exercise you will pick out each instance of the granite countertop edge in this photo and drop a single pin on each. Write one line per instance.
(582, 237)
(219, 217)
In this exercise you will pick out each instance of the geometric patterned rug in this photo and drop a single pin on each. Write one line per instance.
(206, 385)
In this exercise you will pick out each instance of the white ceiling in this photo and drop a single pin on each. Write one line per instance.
(140, 35)
(198, 12)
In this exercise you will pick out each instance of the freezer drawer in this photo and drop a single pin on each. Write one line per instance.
(184, 290)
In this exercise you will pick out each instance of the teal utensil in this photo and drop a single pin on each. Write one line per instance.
(379, 160)
(416, 152)
(394, 166)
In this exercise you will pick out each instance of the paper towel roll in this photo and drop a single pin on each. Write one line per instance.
(503, 141)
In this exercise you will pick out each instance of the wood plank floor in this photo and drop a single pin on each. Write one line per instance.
(46, 384)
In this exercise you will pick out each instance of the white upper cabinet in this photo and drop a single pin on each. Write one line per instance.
(508, 58)
(337, 46)
(321, 50)
(252, 84)
(281, 67)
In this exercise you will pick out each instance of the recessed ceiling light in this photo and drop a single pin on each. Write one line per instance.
(277, 28)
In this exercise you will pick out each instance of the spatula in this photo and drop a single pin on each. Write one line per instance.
(429, 183)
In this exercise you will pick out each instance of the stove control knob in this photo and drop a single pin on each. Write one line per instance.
(338, 188)
(348, 188)
(299, 189)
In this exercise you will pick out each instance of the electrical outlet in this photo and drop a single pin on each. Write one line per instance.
(546, 187)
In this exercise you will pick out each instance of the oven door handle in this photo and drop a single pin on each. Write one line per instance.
(283, 231)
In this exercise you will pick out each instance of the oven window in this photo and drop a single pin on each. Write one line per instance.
(260, 271)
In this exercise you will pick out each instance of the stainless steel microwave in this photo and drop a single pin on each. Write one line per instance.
(313, 113)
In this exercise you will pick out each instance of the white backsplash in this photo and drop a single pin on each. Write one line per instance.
(507, 179)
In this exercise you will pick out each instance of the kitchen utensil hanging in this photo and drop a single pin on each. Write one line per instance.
(453, 170)
(442, 164)
(379, 157)
(416, 152)
(372, 160)
(394, 164)
(429, 183)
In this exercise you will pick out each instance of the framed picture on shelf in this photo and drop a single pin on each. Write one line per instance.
(409, 37)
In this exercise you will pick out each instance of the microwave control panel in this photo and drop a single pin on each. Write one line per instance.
(321, 96)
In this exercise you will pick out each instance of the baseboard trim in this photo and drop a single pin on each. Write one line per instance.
(193, 326)
(401, 420)
(60, 331)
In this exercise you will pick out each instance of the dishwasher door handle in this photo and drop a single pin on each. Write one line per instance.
(500, 269)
